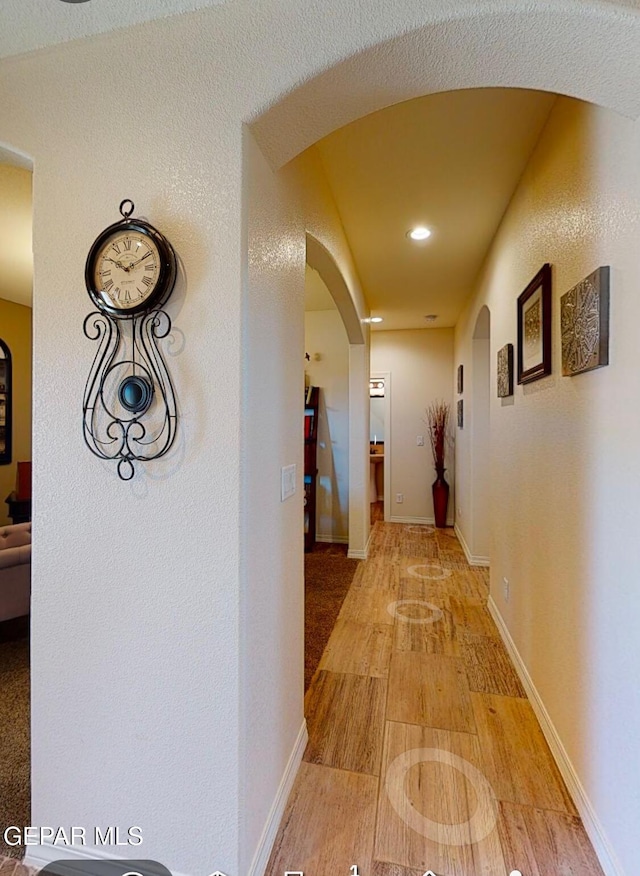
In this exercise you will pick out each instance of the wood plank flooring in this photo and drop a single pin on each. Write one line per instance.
(424, 753)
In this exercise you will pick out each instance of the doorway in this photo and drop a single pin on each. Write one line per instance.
(16, 269)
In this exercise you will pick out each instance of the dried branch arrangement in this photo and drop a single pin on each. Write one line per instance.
(438, 420)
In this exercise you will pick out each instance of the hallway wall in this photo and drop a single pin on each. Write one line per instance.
(420, 362)
(326, 338)
(565, 468)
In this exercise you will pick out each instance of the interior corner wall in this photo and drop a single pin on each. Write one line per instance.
(420, 363)
(565, 466)
(272, 607)
(15, 331)
(328, 368)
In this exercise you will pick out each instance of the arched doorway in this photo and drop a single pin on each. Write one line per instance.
(362, 77)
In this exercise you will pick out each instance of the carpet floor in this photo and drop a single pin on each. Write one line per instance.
(15, 756)
(328, 574)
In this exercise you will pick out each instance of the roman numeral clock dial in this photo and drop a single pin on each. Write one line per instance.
(129, 409)
(130, 268)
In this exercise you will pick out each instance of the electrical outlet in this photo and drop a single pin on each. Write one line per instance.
(505, 589)
(420, 440)
(399, 498)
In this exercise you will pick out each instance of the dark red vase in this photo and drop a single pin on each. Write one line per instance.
(440, 490)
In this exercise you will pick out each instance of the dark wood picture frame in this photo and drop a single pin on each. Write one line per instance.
(505, 371)
(460, 414)
(460, 379)
(534, 327)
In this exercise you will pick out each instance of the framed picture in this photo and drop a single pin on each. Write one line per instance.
(505, 371)
(584, 324)
(460, 414)
(460, 379)
(534, 328)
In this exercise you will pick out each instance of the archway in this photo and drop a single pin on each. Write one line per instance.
(320, 259)
(485, 48)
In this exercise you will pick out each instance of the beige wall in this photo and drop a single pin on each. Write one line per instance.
(565, 464)
(16, 257)
(15, 331)
(326, 343)
(420, 363)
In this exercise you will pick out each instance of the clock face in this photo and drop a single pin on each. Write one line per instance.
(130, 269)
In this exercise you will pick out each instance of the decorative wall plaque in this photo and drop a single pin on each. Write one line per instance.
(505, 371)
(584, 323)
(461, 414)
(460, 379)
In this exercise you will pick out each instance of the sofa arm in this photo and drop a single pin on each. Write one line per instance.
(15, 556)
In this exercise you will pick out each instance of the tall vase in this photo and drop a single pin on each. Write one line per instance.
(440, 490)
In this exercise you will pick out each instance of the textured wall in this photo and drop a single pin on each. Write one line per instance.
(565, 473)
(272, 591)
(136, 588)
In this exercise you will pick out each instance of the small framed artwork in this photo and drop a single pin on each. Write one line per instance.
(460, 379)
(534, 328)
(460, 414)
(584, 324)
(505, 371)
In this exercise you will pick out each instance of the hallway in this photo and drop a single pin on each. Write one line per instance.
(424, 752)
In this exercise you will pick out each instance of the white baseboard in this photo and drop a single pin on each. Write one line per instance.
(333, 539)
(471, 559)
(360, 555)
(41, 855)
(602, 847)
(261, 857)
(424, 521)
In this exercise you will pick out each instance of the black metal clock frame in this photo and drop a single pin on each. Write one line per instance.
(129, 407)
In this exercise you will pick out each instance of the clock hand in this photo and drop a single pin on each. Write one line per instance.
(117, 264)
(146, 256)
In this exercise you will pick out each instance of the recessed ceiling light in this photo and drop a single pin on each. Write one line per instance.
(419, 233)
(431, 317)
(74, 1)
(376, 319)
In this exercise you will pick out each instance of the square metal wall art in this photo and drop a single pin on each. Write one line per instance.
(584, 324)
(505, 371)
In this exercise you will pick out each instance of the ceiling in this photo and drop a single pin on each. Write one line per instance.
(449, 161)
(26, 25)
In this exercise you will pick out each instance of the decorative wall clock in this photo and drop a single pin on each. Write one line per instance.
(129, 409)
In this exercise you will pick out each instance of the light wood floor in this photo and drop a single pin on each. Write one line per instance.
(424, 753)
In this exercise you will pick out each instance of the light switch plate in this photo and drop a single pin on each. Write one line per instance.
(288, 481)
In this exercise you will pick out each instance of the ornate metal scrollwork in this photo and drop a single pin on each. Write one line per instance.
(129, 406)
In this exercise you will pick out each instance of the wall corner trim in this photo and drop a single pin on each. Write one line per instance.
(471, 558)
(593, 827)
(265, 845)
(360, 555)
